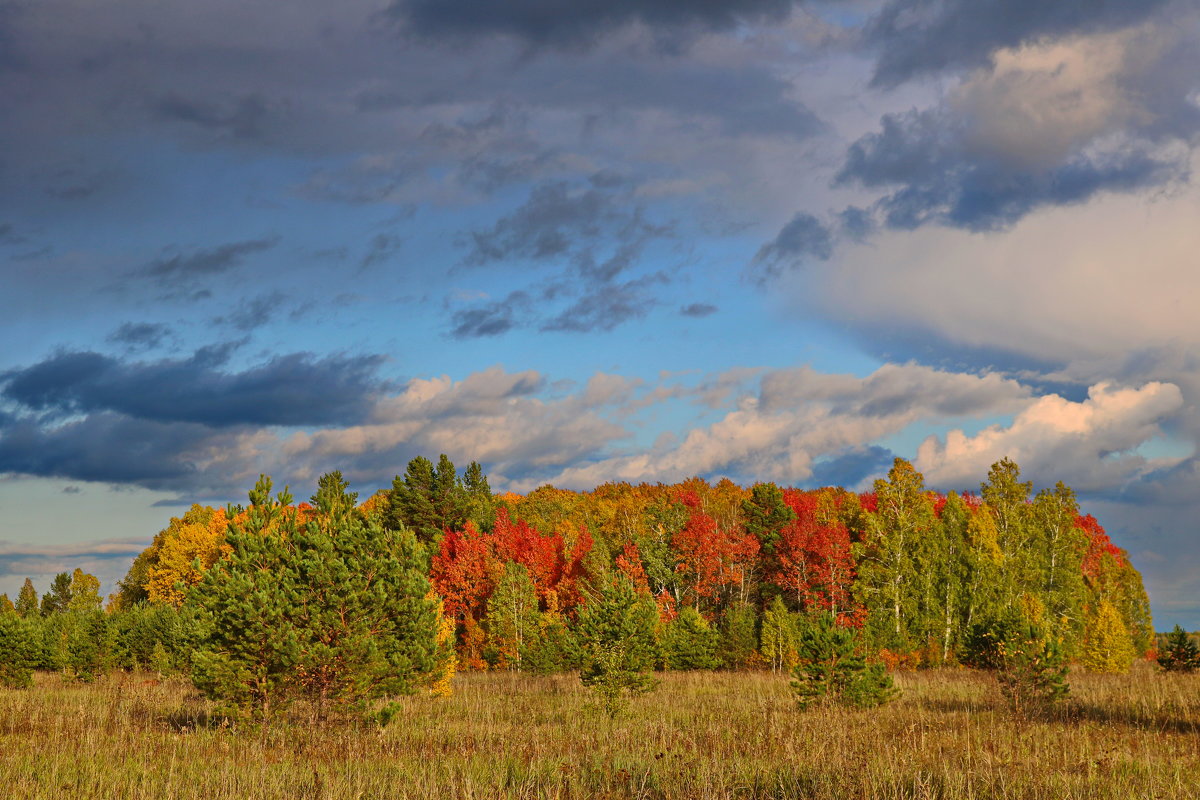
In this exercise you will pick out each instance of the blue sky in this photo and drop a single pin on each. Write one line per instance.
(589, 241)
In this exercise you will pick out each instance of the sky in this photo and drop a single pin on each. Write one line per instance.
(597, 240)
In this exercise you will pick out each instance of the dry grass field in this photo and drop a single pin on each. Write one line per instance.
(700, 736)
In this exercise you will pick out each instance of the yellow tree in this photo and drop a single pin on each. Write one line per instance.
(184, 552)
(1108, 647)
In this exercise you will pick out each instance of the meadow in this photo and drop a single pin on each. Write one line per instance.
(701, 735)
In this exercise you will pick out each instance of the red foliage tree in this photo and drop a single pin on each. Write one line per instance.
(815, 562)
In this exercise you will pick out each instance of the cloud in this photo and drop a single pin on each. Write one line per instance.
(253, 313)
(140, 335)
(294, 389)
(698, 310)
(578, 22)
(107, 559)
(805, 238)
(181, 274)
(490, 319)
(565, 223)
(800, 417)
(381, 249)
(919, 37)
(1090, 445)
(242, 117)
(606, 307)
(1071, 286)
(1050, 123)
(943, 181)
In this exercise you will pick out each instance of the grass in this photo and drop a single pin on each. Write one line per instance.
(700, 736)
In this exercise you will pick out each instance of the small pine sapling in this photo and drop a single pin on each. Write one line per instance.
(1032, 672)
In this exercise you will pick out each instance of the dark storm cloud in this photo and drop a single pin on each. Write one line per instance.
(295, 389)
(242, 118)
(922, 37)
(140, 335)
(804, 239)
(110, 448)
(490, 319)
(941, 180)
(569, 23)
(698, 310)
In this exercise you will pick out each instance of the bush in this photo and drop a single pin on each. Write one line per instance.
(833, 669)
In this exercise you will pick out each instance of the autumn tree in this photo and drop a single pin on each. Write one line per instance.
(27, 599)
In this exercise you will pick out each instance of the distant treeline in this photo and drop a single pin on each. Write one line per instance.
(715, 576)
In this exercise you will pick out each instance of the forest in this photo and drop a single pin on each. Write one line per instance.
(694, 640)
(339, 600)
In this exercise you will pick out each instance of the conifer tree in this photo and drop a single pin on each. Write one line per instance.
(690, 642)
(737, 640)
(57, 600)
(1032, 671)
(1180, 653)
(617, 641)
(18, 651)
(6, 605)
(295, 612)
(766, 514)
(832, 667)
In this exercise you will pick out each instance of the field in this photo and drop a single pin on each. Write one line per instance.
(701, 735)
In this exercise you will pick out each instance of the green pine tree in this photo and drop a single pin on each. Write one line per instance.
(58, 599)
(294, 612)
(737, 640)
(690, 642)
(1180, 653)
(1032, 672)
(18, 651)
(832, 668)
(616, 634)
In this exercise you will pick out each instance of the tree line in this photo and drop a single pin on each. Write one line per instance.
(337, 601)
